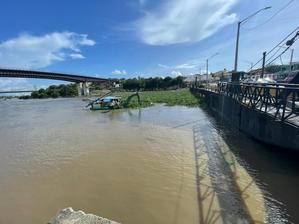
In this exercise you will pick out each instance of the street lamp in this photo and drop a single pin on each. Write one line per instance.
(238, 34)
(207, 64)
(291, 41)
(292, 52)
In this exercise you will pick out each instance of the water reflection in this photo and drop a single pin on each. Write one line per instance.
(274, 170)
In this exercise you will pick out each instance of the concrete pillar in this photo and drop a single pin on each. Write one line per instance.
(79, 88)
(85, 89)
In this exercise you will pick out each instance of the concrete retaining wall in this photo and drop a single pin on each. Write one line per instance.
(258, 125)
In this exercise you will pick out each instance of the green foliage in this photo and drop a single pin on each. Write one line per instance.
(53, 91)
(155, 83)
(25, 97)
(97, 86)
(181, 97)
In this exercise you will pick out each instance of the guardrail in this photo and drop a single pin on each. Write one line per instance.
(277, 99)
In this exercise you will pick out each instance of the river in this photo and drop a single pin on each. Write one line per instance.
(131, 166)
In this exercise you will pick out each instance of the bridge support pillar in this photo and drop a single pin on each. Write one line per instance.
(85, 89)
(79, 88)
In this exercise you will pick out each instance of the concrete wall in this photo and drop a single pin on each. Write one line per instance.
(258, 125)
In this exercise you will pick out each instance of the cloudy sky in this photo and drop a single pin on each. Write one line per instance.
(117, 38)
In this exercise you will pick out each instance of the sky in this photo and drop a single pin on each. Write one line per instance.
(131, 38)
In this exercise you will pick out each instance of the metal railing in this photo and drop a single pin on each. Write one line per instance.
(277, 99)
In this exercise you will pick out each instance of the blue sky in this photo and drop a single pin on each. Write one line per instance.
(118, 38)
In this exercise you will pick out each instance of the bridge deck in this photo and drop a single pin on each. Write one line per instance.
(18, 73)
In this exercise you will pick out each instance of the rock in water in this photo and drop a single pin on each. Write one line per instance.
(69, 216)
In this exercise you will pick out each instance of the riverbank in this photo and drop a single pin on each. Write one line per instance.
(179, 97)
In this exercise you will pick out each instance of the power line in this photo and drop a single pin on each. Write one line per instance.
(278, 45)
(279, 55)
(273, 55)
(275, 14)
(280, 60)
(282, 52)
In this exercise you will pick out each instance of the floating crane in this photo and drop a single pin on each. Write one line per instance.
(112, 102)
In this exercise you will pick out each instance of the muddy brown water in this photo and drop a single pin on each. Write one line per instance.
(132, 166)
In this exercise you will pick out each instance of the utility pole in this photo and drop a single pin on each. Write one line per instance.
(291, 60)
(238, 35)
(237, 47)
(263, 68)
(207, 64)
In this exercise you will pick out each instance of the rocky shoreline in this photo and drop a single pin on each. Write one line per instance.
(69, 216)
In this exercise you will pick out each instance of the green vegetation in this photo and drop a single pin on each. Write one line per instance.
(7, 97)
(53, 91)
(182, 97)
(156, 83)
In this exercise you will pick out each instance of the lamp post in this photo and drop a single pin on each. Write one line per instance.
(238, 34)
(291, 60)
(292, 53)
(289, 43)
(207, 65)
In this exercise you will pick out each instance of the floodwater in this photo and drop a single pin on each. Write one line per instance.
(131, 166)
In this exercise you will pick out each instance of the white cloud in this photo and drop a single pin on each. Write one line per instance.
(176, 73)
(119, 72)
(163, 66)
(77, 56)
(28, 51)
(181, 21)
(186, 66)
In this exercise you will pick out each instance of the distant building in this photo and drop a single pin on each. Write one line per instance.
(116, 85)
(222, 76)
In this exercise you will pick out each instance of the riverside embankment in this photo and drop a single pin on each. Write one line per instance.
(256, 124)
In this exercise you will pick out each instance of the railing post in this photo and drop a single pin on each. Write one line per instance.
(263, 68)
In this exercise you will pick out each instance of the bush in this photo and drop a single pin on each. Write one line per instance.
(69, 90)
(156, 83)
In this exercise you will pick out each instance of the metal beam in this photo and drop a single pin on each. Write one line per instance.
(17, 91)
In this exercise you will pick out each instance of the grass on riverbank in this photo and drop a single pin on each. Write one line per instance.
(181, 97)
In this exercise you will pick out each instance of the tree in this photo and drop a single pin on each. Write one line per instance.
(56, 91)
